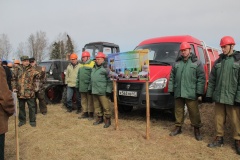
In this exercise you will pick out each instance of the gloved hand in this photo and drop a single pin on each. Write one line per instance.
(208, 99)
(199, 95)
(171, 93)
(237, 104)
(108, 94)
(90, 91)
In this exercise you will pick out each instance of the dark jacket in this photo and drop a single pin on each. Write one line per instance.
(224, 80)
(187, 79)
(6, 102)
(9, 76)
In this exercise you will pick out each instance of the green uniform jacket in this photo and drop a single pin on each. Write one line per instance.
(84, 75)
(23, 81)
(100, 81)
(187, 79)
(71, 74)
(224, 80)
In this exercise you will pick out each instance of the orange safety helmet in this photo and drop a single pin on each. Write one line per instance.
(227, 40)
(16, 61)
(100, 55)
(10, 65)
(73, 56)
(85, 54)
(185, 45)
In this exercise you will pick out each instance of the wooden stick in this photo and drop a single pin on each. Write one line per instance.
(115, 103)
(147, 112)
(16, 124)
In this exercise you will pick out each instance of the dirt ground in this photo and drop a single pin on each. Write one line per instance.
(61, 135)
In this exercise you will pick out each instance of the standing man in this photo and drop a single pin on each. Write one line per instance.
(83, 81)
(6, 109)
(39, 89)
(23, 84)
(8, 73)
(101, 87)
(224, 90)
(186, 84)
(71, 78)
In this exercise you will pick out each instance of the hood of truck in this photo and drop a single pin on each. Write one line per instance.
(157, 71)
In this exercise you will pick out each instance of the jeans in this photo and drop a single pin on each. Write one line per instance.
(70, 92)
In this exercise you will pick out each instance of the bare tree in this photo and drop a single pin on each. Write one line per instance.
(5, 46)
(37, 45)
(21, 50)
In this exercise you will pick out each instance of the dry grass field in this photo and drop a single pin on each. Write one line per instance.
(61, 135)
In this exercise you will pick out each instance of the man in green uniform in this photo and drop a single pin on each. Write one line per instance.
(101, 87)
(224, 90)
(23, 84)
(187, 83)
(82, 83)
(39, 89)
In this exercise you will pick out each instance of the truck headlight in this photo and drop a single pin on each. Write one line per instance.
(159, 84)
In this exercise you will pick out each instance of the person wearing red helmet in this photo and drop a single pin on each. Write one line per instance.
(224, 90)
(186, 84)
(101, 87)
(83, 80)
(71, 78)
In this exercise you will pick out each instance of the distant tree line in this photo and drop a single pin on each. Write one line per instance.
(37, 46)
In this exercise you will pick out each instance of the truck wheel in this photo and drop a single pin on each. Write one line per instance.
(125, 108)
(53, 94)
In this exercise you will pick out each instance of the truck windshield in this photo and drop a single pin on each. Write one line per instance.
(162, 52)
(93, 49)
(46, 64)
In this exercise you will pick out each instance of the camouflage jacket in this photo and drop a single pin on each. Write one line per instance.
(38, 82)
(23, 80)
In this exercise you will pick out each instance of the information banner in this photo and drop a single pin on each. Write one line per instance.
(132, 65)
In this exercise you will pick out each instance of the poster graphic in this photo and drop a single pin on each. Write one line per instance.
(132, 65)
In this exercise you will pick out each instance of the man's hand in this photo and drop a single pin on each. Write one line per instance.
(199, 95)
(43, 68)
(15, 90)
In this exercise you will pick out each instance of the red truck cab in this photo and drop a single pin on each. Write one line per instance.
(163, 52)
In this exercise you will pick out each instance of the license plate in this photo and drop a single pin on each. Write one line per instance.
(127, 93)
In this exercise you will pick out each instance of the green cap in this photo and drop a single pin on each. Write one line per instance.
(24, 58)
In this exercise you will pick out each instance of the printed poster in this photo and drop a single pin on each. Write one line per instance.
(132, 65)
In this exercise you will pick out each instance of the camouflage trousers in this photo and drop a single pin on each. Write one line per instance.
(40, 95)
(22, 111)
(102, 106)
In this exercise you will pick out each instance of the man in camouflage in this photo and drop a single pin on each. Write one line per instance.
(23, 84)
(39, 89)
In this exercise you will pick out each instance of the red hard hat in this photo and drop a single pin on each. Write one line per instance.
(73, 56)
(227, 40)
(85, 54)
(185, 45)
(100, 55)
(16, 61)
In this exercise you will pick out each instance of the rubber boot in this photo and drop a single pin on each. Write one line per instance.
(99, 120)
(197, 134)
(107, 122)
(84, 115)
(176, 131)
(90, 116)
(218, 142)
(237, 146)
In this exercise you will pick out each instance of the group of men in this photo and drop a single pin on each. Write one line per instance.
(90, 81)
(187, 83)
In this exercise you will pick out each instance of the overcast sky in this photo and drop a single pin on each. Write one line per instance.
(124, 22)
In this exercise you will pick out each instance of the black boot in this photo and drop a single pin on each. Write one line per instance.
(99, 120)
(78, 111)
(237, 146)
(90, 116)
(176, 131)
(84, 115)
(218, 142)
(197, 134)
(107, 122)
